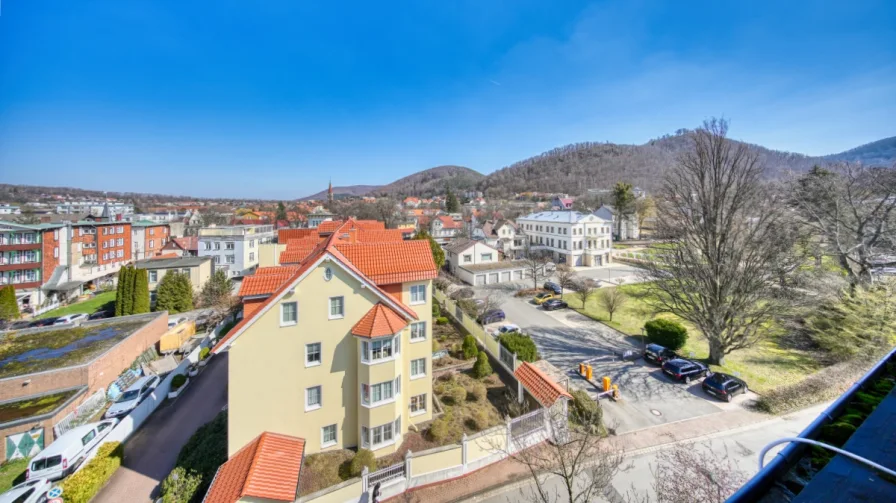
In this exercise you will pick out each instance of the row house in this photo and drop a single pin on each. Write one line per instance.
(570, 237)
(27, 256)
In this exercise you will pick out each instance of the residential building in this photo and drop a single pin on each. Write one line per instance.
(318, 215)
(570, 237)
(148, 238)
(464, 252)
(623, 228)
(234, 248)
(336, 350)
(8, 209)
(26, 252)
(504, 235)
(198, 269)
(94, 207)
(182, 247)
(444, 228)
(562, 202)
(476, 263)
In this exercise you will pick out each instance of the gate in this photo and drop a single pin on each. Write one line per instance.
(527, 424)
(393, 472)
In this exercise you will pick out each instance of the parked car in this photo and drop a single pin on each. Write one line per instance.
(16, 325)
(71, 318)
(659, 354)
(685, 370)
(45, 322)
(554, 287)
(173, 322)
(101, 315)
(724, 386)
(66, 453)
(30, 491)
(132, 397)
(492, 316)
(542, 297)
(554, 304)
(507, 328)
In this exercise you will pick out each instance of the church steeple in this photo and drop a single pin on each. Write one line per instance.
(330, 193)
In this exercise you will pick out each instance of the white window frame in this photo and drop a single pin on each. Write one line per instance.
(482, 257)
(421, 409)
(419, 374)
(415, 291)
(153, 276)
(320, 354)
(251, 256)
(368, 391)
(289, 323)
(320, 394)
(323, 438)
(416, 330)
(367, 349)
(381, 430)
(330, 314)
(365, 437)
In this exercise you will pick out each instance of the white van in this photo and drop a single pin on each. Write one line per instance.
(64, 455)
(71, 318)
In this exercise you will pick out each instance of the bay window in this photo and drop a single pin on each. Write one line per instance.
(380, 349)
(379, 436)
(384, 392)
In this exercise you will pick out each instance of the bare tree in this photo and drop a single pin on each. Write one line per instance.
(211, 215)
(612, 299)
(852, 209)
(645, 207)
(726, 225)
(575, 465)
(535, 264)
(566, 277)
(584, 289)
(686, 472)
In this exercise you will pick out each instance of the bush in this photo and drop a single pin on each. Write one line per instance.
(363, 458)
(482, 368)
(481, 418)
(470, 348)
(444, 430)
(180, 485)
(457, 394)
(666, 333)
(203, 453)
(476, 390)
(585, 410)
(521, 344)
(178, 381)
(436, 310)
(83, 485)
(435, 345)
(441, 320)
(203, 353)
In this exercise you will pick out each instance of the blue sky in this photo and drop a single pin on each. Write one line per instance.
(270, 99)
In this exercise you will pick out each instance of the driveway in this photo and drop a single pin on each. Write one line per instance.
(152, 451)
(566, 338)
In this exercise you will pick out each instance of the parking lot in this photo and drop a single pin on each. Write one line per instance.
(566, 338)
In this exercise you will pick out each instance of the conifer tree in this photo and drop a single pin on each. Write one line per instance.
(9, 308)
(128, 291)
(119, 296)
(141, 292)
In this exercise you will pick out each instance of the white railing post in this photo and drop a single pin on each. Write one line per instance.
(364, 473)
(509, 434)
(463, 451)
(407, 469)
(520, 392)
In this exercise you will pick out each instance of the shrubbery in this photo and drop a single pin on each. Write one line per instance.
(444, 430)
(476, 390)
(178, 381)
(441, 320)
(826, 384)
(363, 458)
(200, 457)
(203, 353)
(180, 485)
(482, 367)
(457, 394)
(666, 333)
(83, 485)
(470, 348)
(584, 410)
(481, 419)
(436, 310)
(521, 344)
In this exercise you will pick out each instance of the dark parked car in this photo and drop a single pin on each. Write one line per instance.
(685, 370)
(492, 316)
(101, 315)
(45, 322)
(658, 354)
(553, 304)
(553, 287)
(724, 386)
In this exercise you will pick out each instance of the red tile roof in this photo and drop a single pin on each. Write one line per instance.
(329, 225)
(284, 235)
(379, 236)
(381, 320)
(392, 262)
(450, 223)
(189, 243)
(277, 269)
(539, 385)
(306, 242)
(263, 284)
(295, 256)
(267, 467)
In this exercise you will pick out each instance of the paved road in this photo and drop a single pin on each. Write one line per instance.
(152, 451)
(742, 446)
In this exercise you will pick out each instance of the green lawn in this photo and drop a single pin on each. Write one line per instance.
(99, 302)
(764, 366)
(12, 473)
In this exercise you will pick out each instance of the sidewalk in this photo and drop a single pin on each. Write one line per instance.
(508, 471)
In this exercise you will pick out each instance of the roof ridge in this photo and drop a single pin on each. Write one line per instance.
(255, 457)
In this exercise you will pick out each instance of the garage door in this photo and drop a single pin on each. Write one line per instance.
(517, 275)
(505, 277)
(492, 278)
(480, 279)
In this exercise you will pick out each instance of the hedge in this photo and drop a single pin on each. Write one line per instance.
(83, 485)
(521, 344)
(363, 458)
(666, 333)
(200, 456)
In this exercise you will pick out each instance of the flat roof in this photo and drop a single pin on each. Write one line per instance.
(496, 266)
(171, 263)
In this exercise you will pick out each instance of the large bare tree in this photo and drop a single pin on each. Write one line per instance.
(851, 209)
(535, 264)
(727, 229)
(566, 277)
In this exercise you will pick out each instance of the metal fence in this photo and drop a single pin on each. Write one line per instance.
(386, 474)
(82, 414)
(527, 423)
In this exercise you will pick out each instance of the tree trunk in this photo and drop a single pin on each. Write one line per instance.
(716, 355)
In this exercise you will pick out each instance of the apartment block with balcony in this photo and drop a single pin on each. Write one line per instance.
(570, 237)
(148, 238)
(337, 349)
(234, 248)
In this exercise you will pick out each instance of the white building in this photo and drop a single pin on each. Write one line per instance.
(318, 215)
(571, 237)
(8, 209)
(444, 228)
(235, 248)
(476, 263)
(624, 228)
(503, 235)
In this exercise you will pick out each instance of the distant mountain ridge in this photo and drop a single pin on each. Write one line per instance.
(350, 190)
(878, 152)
